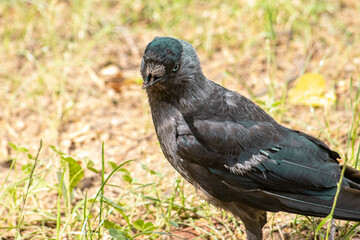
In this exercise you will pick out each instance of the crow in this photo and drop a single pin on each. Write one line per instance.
(233, 152)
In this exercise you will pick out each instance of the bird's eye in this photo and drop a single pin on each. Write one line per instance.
(177, 66)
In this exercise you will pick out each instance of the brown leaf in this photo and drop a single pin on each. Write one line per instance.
(112, 77)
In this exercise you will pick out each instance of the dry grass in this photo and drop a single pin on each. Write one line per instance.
(53, 55)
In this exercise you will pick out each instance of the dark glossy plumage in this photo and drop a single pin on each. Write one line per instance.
(238, 156)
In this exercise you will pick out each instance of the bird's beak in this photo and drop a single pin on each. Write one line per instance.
(154, 73)
(147, 80)
(150, 80)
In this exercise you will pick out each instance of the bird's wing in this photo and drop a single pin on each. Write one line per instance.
(259, 156)
(261, 162)
(233, 135)
(283, 170)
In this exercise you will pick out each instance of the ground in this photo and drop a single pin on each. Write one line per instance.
(69, 75)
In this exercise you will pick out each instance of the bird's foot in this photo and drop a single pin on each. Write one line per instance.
(332, 230)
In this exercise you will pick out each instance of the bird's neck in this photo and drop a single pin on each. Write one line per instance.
(188, 98)
(195, 97)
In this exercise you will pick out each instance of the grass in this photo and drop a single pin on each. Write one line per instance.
(71, 186)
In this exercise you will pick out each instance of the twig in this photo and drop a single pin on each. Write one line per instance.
(21, 216)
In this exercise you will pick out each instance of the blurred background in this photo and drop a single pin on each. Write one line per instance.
(69, 75)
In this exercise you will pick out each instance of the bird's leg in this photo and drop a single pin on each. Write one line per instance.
(332, 230)
(253, 228)
(253, 235)
(253, 219)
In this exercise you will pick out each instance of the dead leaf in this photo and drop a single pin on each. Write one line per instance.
(112, 77)
(310, 89)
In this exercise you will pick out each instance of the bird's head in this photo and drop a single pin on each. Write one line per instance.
(167, 63)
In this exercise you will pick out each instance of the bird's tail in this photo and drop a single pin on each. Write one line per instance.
(352, 176)
(347, 206)
(347, 202)
(349, 197)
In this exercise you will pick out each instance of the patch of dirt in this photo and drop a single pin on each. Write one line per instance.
(114, 109)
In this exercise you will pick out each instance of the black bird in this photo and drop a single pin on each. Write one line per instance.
(237, 155)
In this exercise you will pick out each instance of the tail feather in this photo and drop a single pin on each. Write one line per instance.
(348, 204)
(352, 176)
(347, 207)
